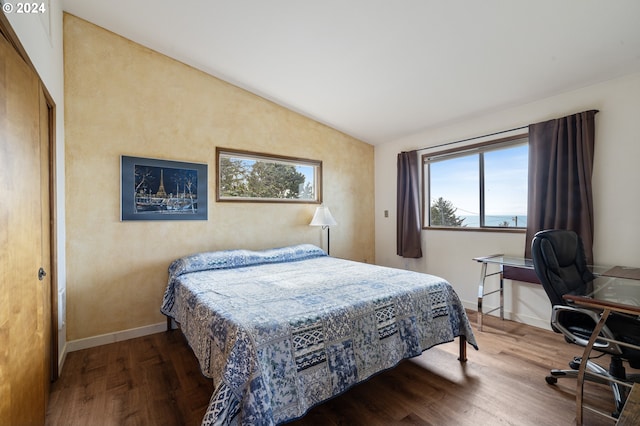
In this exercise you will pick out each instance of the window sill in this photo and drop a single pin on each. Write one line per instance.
(505, 229)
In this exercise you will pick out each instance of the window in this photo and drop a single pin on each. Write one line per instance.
(251, 176)
(479, 186)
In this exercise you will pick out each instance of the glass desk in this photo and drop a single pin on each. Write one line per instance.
(607, 294)
(615, 289)
(504, 264)
(521, 269)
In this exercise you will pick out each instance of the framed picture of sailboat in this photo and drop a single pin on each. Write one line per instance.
(153, 189)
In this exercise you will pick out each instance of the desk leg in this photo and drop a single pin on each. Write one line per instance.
(483, 275)
(583, 364)
(501, 293)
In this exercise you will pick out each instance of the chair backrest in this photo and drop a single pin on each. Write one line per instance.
(560, 263)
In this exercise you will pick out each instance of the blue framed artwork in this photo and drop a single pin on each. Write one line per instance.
(153, 189)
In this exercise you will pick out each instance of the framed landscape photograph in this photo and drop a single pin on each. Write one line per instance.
(154, 189)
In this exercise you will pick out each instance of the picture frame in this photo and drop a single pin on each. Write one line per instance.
(153, 189)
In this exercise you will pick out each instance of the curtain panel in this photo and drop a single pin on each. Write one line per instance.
(408, 243)
(560, 170)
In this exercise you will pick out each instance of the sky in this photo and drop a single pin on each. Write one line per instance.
(457, 180)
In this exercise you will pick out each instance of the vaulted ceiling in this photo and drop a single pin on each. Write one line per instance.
(379, 69)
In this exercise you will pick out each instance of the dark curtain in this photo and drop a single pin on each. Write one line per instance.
(408, 242)
(560, 168)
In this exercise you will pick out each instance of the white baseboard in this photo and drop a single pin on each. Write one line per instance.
(62, 358)
(529, 320)
(524, 319)
(118, 336)
(104, 339)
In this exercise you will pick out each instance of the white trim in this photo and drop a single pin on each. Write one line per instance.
(524, 319)
(62, 357)
(118, 336)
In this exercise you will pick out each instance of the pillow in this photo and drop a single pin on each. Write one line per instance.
(228, 259)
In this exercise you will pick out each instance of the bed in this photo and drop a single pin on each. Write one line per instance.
(282, 330)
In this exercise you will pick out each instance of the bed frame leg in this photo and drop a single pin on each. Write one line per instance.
(169, 328)
(463, 349)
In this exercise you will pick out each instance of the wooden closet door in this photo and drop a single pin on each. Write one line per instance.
(24, 372)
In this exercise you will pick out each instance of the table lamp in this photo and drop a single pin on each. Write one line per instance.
(323, 218)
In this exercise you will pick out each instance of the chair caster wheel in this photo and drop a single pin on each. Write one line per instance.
(575, 364)
(551, 380)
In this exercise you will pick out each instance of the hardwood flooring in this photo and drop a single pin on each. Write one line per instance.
(155, 380)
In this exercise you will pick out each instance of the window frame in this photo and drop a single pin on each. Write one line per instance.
(451, 153)
(260, 156)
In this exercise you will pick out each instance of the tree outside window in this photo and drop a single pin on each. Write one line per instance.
(247, 176)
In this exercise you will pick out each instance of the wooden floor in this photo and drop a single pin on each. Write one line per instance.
(155, 380)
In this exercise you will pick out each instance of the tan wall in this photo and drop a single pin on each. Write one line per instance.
(124, 99)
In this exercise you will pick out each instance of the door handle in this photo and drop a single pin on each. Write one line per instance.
(41, 274)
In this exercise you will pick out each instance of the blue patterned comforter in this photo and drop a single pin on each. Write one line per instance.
(282, 330)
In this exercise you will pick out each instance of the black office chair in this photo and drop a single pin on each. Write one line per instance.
(560, 264)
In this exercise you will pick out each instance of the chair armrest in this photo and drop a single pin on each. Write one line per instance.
(594, 316)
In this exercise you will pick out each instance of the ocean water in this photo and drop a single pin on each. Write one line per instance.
(474, 221)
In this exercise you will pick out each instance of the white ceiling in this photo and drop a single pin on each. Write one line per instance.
(383, 69)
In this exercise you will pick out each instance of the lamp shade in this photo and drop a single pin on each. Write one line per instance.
(323, 217)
